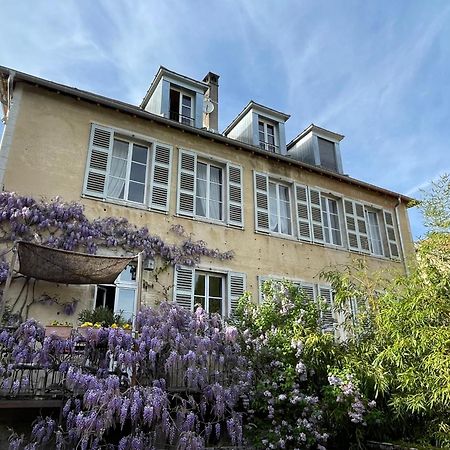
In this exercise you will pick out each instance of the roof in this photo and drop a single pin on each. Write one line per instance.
(318, 130)
(139, 112)
(174, 75)
(261, 108)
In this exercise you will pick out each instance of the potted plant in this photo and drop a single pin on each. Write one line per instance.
(101, 317)
(60, 329)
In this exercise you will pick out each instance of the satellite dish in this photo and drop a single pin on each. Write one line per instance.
(208, 106)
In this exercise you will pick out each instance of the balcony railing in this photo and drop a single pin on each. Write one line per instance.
(187, 120)
(269, 146)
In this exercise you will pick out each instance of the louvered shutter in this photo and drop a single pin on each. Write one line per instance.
(236, 289)
(316, 215)
(391, 235)
(327, 315)
(187, 170)
(99, 157)
(235, 195)
(301, 201)
(261, 202)
(355, 220)
(160, 177)
(308, 290)
(361, 222)
(183, 290)
(350, 221)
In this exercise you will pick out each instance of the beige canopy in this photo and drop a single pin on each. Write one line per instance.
(61, 266)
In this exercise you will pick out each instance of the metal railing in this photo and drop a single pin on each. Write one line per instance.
(187, 120)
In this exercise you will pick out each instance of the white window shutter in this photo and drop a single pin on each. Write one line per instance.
(316, 215)
(187, 173)
(327, 316)
(350, 221)
(261, 281)
(303, 222)
(235, 195)
(183, 290)
(160, 177)
(236, 288)
(363, 235)
(391, 235)
(99, 157)
(261, 202)
(308, 290)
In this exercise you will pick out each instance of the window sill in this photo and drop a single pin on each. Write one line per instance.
(124, 203)
(210, 221)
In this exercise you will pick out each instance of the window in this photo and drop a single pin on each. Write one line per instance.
(126, 169)
(181, 107)
(376, 243)
(215, 292)
(128, 173)
(119, 297)
(330, 219)
(327, 154)
(267, 139)
(279, 208)
(209, 292)
(209, 191)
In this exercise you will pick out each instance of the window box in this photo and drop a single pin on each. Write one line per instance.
(62, 331)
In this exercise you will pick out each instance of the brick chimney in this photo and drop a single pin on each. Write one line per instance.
(211, 120)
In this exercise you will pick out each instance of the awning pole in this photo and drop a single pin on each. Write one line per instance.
(8, 282)
(139, 271)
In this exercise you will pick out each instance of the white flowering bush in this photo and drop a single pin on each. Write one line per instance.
(297, 400)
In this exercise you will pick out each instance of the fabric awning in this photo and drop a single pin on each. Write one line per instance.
(62, 266)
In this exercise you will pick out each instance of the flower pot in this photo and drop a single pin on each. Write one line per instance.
(62, 331)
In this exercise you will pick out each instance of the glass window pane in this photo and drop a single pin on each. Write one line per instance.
(139, 154)
(201, 171)
(200, 206)
(286, 226)
(216, 174)
(137, 172)
(199, 284)
(215, 306)
(199, 300)
(125, 302)
(215, 192)
(187, 101)
(215, 286)
(118, 167)
(116, 187)
(215, 210)
(128, 274)
(261, 127)
(136, 192)
(284, 193)
(120, 149)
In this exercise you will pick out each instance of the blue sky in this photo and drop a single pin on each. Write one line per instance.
(377, 72)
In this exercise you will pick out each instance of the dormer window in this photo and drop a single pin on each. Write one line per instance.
(181, 107)
(327, 154)
(260, 126)
(267, 136)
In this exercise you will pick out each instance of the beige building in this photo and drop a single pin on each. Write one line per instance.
(286, 209)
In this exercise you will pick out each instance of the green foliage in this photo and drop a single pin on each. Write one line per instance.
(101, 315)
(435, 205)
(403, 355)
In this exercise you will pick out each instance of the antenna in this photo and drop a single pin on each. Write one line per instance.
(208, 106)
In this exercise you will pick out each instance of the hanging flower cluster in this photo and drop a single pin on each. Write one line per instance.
(180, 381)
(65, 226)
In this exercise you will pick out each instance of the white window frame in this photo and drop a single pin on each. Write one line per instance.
(327, 230)
(377, 213)
(208, 275)
(131, 143)
(181, 116)
(279, 184)
(209, 164)
(265, 144)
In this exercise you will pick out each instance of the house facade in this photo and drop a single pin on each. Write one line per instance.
(286, 209)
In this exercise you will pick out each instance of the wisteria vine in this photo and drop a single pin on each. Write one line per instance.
(181, 380)
(64, 225)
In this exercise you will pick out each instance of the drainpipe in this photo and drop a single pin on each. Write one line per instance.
(397, 205)
(7, 98)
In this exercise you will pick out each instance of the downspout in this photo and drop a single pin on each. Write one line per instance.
(6, 98)
(397, 205)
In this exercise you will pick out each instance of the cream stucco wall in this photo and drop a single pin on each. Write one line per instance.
(48, 154)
